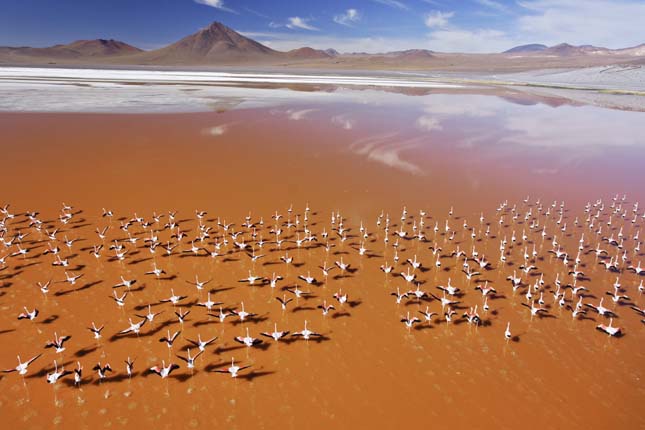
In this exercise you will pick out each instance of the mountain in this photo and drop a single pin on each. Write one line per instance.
(564, 49)
(532, 47)
(210, 45)
(636, 51)
(75, 50)
(219, 45)
(101, 47)
(307, 53)
(561, 50)
(411, 54)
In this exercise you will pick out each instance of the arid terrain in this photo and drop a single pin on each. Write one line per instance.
(218, 46)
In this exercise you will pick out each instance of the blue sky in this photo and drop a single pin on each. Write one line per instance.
(347, 25)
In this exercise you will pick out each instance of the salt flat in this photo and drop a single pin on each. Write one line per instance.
(105, 90)
(41, 89)
(627, 78)
(165, 76)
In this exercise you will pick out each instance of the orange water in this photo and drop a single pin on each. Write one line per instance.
(369, 369)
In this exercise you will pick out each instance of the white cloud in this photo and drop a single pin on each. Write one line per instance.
(348, 18)
(303, 23)
(609, 23)
(256, 13)
(500, 7)
(437, 19)
(217, 4)
(613, 24)
(393, 3)
(476, 41)
(283, 41)
(445, 40)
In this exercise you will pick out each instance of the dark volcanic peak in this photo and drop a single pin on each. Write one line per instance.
(214, 44)
(218, 39)
(332, 52)
(531, 47)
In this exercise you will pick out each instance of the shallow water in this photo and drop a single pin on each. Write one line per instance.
(360, 153)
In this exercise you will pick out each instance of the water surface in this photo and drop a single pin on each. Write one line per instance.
(363, 153)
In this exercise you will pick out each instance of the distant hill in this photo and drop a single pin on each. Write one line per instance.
(411, 54)
(218, 44)
(75, 50)
(532, 47)
(101, 47)
(566, 50)
(307, 53)
(636, 51)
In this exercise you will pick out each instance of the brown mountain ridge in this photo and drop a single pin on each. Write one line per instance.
(218, 44)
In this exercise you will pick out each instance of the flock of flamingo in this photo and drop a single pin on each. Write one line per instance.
(547, 256)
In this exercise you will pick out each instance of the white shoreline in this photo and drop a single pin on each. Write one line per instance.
(156, 91)
(42, 89)
(17, 74)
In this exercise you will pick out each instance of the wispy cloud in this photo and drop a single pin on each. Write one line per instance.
(284, 41)
(442, 40)
(437, 19)
(393, 3)
(609, 23)
(302, 23)
(495, 5)
(348, 18)
(256, 13)
(477, 41)
(613, 24)
(217, 4)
